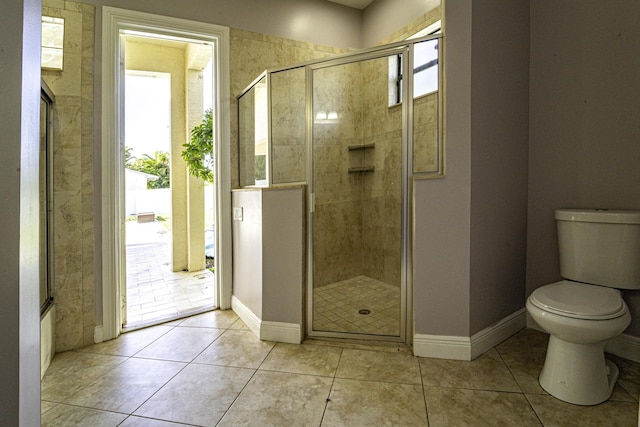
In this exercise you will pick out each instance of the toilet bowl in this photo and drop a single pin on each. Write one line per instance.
(580, 319)
(599, 252)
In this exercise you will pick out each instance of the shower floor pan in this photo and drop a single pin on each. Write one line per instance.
(360, 305)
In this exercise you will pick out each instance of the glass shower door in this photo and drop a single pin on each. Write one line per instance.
(358, 190)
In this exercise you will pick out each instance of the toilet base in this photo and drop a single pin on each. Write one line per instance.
(578, 373)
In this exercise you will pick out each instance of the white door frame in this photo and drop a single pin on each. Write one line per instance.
(114, 21)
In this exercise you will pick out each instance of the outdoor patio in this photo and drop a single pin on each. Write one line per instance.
(154, 292)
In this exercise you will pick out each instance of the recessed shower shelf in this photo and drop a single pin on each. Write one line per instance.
(362, 147)
(362, 169)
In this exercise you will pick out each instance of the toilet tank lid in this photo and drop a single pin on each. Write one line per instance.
(609, 216)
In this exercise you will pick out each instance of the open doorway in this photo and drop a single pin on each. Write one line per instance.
(167, 273)
(160, 284)
(198, 86)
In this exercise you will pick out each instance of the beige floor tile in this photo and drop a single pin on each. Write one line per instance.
(180, 344)
(620, 394)
(129, 343)
(213, 319)
(65, 416)
(524, 354)
(629, 378)
(236, 348)
(632, 387)
(449, 407)
(239, 324)
(71, 371)
(134, 421)
(487, 372)
(379, 366)
(372, 385)
(555, 413)
(280, 399)
(200, 394)
(127, 386)
(46, 406)
(525, 340)
(370, 403)
(303, 359)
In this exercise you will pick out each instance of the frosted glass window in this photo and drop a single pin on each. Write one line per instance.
(52, 43)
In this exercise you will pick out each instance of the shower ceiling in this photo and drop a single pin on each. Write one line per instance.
(358, 4)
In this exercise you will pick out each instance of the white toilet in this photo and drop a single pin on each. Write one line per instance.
(599, 254)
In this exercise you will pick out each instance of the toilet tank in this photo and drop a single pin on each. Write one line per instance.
(601, 247)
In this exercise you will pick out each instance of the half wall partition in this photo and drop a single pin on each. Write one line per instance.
(344, 128)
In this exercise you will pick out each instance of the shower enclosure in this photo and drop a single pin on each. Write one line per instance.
(46, 198)
(344, 128)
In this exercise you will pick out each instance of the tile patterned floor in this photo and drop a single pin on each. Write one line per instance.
(210, 370)
(154, 292)
(337, 305)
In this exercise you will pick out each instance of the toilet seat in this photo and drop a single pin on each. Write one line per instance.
(579, 300)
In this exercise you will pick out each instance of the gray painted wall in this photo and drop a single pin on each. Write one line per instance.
(584, 149)
(269, 252)
(19, 210)
(383, 17)
(442, 207)
(284, 218)
(247, 249)
(316, 21)
(470, 226)
(499, 150)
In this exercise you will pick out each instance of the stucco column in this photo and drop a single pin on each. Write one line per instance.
(197, 58)
(19, 209)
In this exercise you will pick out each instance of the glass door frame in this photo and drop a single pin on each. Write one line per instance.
(406, 314)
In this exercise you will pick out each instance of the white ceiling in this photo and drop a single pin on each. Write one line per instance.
(358, 4)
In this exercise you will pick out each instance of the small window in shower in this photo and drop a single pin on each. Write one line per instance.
(52, 43)
(425, 67)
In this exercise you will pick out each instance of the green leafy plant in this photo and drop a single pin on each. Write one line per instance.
(198, 153)
(128, 156)
(158, 165)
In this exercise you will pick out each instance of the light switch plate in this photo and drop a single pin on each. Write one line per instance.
(237, 214)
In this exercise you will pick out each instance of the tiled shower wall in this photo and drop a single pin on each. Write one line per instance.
(251, 54)
(357, 222)
(288, 126)
(337, 227)
(74, 287)
(382, 211)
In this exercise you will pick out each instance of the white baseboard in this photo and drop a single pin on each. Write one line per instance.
(247, 316)
(490, 337)
(442, 347)
(468, 348)
(625, 346)
(265, 330)
(281, 332)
